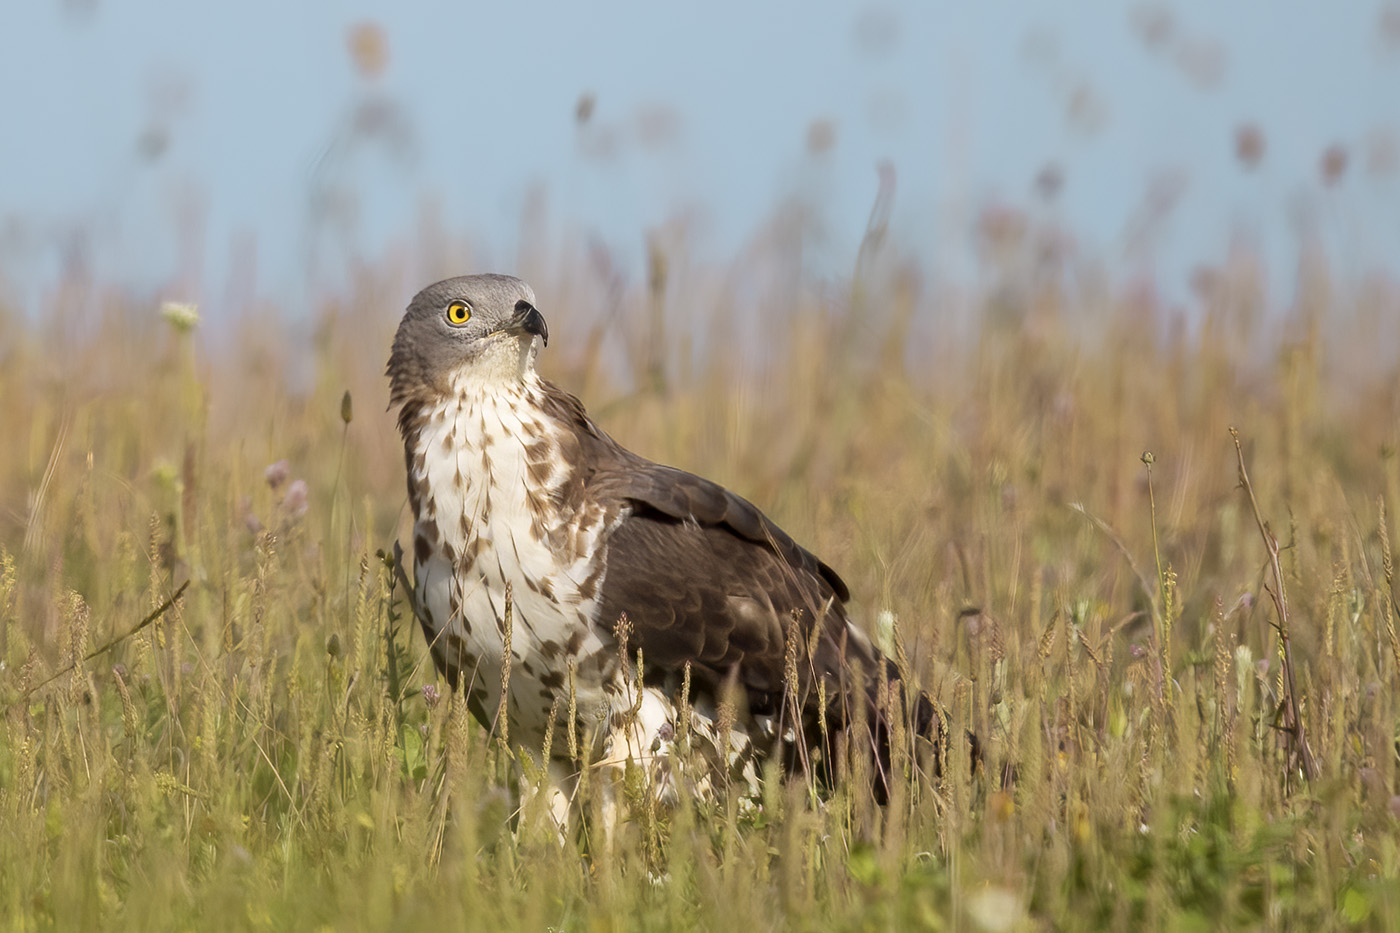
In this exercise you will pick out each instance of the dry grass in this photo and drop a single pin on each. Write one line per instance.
(262, 755)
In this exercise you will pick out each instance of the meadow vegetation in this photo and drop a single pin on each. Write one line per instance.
(274, 751)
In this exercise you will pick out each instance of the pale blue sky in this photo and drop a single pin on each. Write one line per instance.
(967, 100)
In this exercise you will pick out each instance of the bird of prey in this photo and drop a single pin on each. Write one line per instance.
(636, 606)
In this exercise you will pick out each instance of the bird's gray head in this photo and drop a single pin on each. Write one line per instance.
(477, 326)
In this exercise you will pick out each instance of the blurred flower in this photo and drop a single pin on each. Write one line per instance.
(876, 30)
(1202, 60)
(152, 143)
(1008, 497)
(1001, 227)
(1382, 153)
(1249, 145)
(164, 473)
(1389, 25)
(250, 518)
(382, 119)
(885, 172)
(1049, 180)
(1206, 283)
(1153, 23)
(583, 110)
(1040, 48)
(431, 695)
(657, 126)
(821, 136)
(1165, 190)
(1054, 244)
(1334, 164)
(297, 499)
(369, 49)
(1086, 110)
(182, 315)
(276, 473)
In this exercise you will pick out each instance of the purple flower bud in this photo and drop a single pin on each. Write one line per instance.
(250, 518)
(431, 695)
(296, 501)
(276, 473)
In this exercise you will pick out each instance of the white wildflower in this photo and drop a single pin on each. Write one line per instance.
(182, 315)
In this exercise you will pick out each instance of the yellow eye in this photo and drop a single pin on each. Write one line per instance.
(459, 312)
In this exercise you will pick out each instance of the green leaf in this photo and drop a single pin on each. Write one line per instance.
(1356, 906)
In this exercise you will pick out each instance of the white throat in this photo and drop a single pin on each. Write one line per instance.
(504, 362)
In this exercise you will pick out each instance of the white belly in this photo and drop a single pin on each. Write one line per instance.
(496, 536)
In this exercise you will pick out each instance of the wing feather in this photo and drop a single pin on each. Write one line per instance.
(707, 579)
(704, 576)
(615, 472)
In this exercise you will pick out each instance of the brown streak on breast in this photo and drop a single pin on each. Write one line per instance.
(539, 471)
(576, 540)
(589, 587)
(603, 662)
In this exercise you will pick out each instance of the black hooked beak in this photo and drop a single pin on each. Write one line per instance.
(528, 320)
